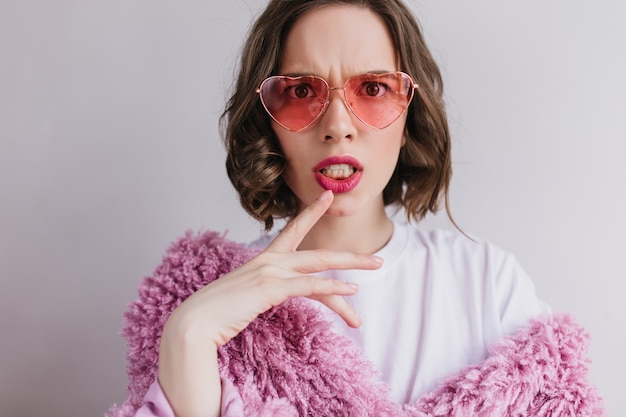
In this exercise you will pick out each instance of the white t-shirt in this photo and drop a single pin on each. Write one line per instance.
(436, 304)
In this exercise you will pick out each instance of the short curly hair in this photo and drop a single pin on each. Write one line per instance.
(255, 162)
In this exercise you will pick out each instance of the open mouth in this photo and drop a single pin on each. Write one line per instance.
(338, 172)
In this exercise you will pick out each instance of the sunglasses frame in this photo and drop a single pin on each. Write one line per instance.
(414, 87)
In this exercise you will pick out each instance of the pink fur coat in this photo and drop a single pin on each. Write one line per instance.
(288, 362)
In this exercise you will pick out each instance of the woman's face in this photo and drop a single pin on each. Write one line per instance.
(338, 151)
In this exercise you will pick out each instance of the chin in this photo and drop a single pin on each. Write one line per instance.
(339, 212)
(344, 205)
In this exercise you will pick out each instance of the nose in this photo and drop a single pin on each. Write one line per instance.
(337, 121)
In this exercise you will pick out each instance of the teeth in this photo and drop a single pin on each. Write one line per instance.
(338, 171)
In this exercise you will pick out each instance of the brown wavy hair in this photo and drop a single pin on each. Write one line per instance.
(255, 162)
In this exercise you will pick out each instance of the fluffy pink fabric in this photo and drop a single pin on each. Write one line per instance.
(288, 362)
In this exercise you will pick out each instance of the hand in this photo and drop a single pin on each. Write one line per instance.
(226, 306)
(219, 311)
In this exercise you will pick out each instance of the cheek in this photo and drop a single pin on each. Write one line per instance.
(287, 141)
(294, 162)
(291, 155)
(395, 140)
(389, 151)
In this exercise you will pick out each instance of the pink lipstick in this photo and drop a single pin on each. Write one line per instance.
(339, 174)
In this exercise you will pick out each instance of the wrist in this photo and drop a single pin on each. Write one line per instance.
(184, 332)
(188, 369)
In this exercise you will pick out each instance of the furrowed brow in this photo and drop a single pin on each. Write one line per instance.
(299, 74)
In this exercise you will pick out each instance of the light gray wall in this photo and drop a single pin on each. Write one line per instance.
(109, 150)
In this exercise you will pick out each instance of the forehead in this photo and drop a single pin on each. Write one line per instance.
(338, 41)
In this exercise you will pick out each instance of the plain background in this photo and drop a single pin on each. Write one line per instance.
(109, 150)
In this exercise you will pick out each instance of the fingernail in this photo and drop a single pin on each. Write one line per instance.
(358, 319)
(325, 195)
(353, 286)
(376, 259)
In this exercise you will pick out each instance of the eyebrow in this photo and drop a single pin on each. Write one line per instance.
(308, 74)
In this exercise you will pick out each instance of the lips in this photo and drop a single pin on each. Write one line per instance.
(339, 174)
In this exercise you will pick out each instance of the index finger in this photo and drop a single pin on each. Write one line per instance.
(293, 233)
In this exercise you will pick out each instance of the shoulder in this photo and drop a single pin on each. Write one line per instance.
(189, 263)
(208, 253)
(480, 273)
(466, 258)
(466, 253)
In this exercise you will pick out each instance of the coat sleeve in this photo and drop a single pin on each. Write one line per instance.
(540, 371)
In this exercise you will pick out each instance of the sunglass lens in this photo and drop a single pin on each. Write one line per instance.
(294, 102)
(379, 99)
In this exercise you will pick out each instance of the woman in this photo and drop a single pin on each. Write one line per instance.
(336, 114)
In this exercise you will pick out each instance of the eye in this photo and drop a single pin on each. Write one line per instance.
(373, 89)
(300, 91)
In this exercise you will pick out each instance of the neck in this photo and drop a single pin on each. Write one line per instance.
(364, 232)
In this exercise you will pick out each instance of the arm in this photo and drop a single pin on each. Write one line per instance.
(188, 371)
(518, 301)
